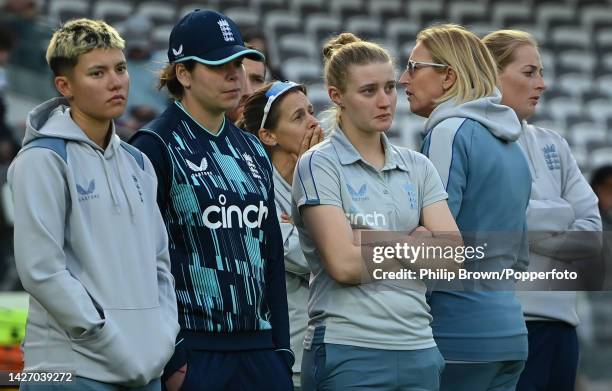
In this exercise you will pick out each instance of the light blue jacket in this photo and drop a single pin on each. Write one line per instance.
(485, 173)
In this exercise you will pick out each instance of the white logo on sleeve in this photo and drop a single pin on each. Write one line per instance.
(249, 161)
(228, 36)
(224, 216)
(195, 168)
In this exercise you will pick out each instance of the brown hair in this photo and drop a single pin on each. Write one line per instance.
(503, 43)
(254, 109)
(168, 79)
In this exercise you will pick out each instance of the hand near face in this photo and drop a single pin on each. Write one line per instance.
(311, 138)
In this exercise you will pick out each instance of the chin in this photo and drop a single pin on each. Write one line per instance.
(117, 113)
(527, 113)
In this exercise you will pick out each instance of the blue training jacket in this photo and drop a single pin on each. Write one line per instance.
(473, 146)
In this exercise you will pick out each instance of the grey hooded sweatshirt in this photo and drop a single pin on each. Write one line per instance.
(91, 250)
(561, 201)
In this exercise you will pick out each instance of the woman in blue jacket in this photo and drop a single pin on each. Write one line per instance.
(471, 140)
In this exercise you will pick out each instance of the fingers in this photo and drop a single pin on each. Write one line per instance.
(421, 232)
(357, 237)
(305, 145)
(317, 136)
(175, 381)
(285, 218)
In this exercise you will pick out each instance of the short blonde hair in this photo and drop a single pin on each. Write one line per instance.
(503, 43)
(78, 37)
(464, 52)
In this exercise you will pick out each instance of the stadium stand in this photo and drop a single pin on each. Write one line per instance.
(575, 37)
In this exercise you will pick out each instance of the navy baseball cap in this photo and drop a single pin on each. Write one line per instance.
(208, 37)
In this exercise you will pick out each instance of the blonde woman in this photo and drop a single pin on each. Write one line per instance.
(377, 335)
(561, 201)
(471, 140)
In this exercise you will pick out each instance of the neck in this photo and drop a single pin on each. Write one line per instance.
(284, 163)
(96, 130)
(209, 119)
(368, 144)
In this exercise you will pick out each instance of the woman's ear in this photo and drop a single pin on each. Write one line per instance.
(267, 137)
(183, 76)
(62, 84)
(450, 77)
(335, 96)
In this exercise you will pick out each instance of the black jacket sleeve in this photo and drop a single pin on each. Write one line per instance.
(156, 151)
(275, 282)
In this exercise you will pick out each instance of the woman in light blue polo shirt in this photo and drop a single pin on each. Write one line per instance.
(282, 117)
(373, 335)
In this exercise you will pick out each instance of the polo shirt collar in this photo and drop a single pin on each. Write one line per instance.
(348, 154)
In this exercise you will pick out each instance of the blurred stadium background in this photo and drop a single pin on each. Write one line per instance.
(575, 39)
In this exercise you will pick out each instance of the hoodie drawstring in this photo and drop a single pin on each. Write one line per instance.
(109, 181)
(125, 187)
(119, 171)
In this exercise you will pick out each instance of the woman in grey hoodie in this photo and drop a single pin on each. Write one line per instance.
(561, 201)
(90, 244)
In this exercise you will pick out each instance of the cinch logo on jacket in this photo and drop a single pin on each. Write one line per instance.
(233, 216)
(219, 220)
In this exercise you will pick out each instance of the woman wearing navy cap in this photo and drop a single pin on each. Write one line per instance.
(216, 195)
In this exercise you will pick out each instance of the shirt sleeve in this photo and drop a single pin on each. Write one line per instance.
(449, 154)
(581, 236)
(153, 147)
(275, 278)
(41, 200)
(316, 181)
(433, 191)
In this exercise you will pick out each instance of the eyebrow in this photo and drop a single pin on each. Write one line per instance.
(298, 111)
(100, 66)
(368, 85)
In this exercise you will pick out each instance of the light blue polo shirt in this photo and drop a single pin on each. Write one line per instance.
(379, 315)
